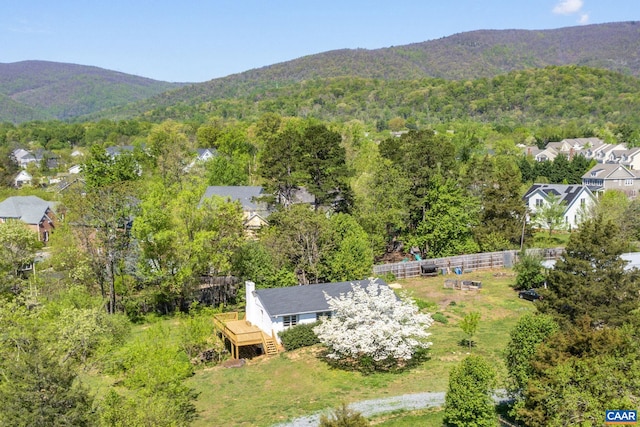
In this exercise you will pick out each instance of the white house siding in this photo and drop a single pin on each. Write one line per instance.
(258, 316)
(255, 312)
(572, 214)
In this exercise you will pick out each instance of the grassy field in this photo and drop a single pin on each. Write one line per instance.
(271, 390)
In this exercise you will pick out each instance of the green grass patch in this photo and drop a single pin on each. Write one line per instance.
(425, 418)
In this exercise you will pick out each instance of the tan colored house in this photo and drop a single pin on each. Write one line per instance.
(612, 176)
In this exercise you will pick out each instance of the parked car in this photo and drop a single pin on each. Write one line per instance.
(530, 294)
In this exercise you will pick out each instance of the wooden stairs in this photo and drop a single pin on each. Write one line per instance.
(269, 344)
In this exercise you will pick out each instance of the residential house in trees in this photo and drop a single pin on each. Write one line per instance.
(591, 148)
(202, 155)
(39, 157)
(115, 151)
(23, 157)
(576, 200)
(23, 178)
(273, 310)
(542, 155)
(254, 210)
(612, 176)
(630, 158)
(38, 214)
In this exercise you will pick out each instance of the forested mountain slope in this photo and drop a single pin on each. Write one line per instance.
(464, 56)
(550, 94)
(41, 90)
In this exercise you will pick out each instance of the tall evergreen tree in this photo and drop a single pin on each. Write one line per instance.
(503, 211)
(323, 163)
(420, 155)
(589, 280)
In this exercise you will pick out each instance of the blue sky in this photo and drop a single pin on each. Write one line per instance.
(198, 40)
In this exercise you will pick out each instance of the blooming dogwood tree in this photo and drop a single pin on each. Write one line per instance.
(372, 322)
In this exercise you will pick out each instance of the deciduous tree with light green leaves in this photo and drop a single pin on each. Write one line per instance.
(449, 217)
(37, 387)
(469, 402)
(530, 331)
(182, 238)
(550, 215)
(469, 325)
(18, 246)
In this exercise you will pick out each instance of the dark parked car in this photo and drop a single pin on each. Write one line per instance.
(530, 295)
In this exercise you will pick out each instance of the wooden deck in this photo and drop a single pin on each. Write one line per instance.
(242, 333)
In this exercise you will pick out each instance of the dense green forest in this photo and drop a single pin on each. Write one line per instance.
(528, 97)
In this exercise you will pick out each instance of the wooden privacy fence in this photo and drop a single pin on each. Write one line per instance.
(462, 263)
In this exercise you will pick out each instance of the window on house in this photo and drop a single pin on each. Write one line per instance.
(538, 203)
(289, 321)
(321, 314)
(628, 182)
(583, 202)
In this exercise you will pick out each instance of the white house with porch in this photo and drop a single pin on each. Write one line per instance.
(270, 311)
(275, 309)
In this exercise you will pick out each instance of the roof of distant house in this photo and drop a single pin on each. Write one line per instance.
(305, 298)
(29, 209)
(567, 193)
(116, 150)
(603, 170)
(246, 195)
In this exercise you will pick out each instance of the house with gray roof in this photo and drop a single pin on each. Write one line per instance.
(23, 157)
(115, 151)
(33, 211)
(255, 211)
(275, 309)
(612, 176)
(576, 200)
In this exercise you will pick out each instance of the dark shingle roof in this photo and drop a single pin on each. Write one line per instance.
(304, 298)
(567, 193)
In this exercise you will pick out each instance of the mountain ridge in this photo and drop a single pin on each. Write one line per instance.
(46, 90)
(461, 56)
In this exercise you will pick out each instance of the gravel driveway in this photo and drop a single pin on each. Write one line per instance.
(368, 408)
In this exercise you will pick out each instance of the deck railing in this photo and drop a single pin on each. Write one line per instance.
(238, 337)
(220, 319)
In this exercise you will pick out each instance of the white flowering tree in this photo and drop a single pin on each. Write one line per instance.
(372, 323)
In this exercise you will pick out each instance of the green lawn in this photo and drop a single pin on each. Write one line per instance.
(271, 390)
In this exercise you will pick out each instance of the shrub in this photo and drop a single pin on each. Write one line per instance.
(344, 417)
(529, 269)
(299, 336)
(468, 401)
(439, 317)
(425, 305)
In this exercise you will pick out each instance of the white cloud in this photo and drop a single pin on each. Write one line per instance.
(584, 18)
(567, 7)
